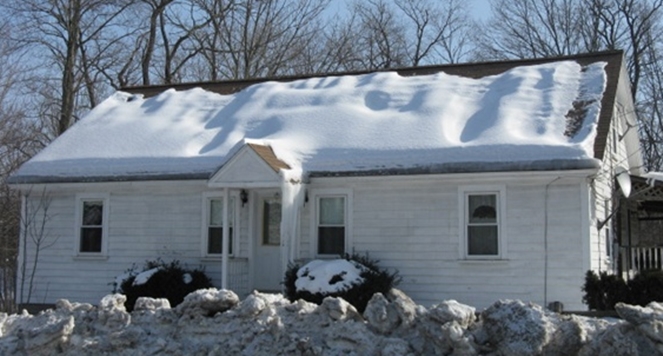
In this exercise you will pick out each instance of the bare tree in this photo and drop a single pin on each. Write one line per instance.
(441, 31)
(381, 37)
(542, 28)
(35, 237)
(533, 28)
(60, 31)
(19, 139)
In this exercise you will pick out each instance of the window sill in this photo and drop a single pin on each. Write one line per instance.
(483, 261)
(219, 258)
(90, 257)
(328, 257)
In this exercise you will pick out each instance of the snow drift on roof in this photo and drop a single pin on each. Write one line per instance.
(339, 124)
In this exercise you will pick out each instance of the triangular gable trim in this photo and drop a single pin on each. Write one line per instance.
(253, 165)
(268, 155)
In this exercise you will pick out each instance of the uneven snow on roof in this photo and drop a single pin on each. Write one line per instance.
(339, 124)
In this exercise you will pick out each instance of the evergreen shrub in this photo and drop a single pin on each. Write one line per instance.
(376, 280)
(604, 290)
(171, 281)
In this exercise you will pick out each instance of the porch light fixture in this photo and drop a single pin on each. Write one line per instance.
(243, 196)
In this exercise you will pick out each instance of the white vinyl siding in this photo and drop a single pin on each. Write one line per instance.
(145, 221)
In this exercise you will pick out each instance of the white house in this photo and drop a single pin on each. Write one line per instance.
(475, 181)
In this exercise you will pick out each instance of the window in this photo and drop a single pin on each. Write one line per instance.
(331, 225)
(482, 227)
(271, 222)
(213, 236)
(92, 223)
(482, 224)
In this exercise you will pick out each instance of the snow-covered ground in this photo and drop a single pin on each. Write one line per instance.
(216, 322)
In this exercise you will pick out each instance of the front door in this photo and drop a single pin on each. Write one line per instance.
(267, 273)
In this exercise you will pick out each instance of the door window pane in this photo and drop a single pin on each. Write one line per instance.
(271, 224)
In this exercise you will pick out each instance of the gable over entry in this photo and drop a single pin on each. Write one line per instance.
(252, 166)
(254, 172)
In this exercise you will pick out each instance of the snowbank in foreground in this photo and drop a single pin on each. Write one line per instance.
(215, 322)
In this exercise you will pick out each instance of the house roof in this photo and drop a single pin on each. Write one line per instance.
(267, 155)
(543, 114)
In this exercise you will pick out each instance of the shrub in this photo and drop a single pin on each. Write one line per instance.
(374, 279)
(159, 279)
(604, 290)
(646, 287)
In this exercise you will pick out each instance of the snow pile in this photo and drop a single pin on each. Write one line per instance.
(346, 123)
(328, 276)
(214, 322)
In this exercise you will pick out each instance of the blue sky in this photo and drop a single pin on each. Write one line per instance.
(480, 9)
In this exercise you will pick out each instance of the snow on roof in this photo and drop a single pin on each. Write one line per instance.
(379, 121)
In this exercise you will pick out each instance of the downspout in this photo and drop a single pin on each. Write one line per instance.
(225, 239)
(545, 241)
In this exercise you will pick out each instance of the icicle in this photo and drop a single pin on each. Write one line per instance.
(292, 200)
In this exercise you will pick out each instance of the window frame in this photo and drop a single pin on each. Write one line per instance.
(81, 199)
(464, 192)
(206, 214)
(316, 195)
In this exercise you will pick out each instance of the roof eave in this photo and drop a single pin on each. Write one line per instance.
(470, 167)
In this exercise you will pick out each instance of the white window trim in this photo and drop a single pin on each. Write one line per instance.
(207, 196)
(463, 193)
(80, 198)
(314, 197)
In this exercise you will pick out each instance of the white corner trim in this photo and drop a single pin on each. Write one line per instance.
(585, 225)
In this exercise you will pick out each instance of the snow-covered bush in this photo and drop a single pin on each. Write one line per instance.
(159, 279)
(354, 278)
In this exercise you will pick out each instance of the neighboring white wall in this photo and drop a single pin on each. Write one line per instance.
(146, 221)
(622, 150)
